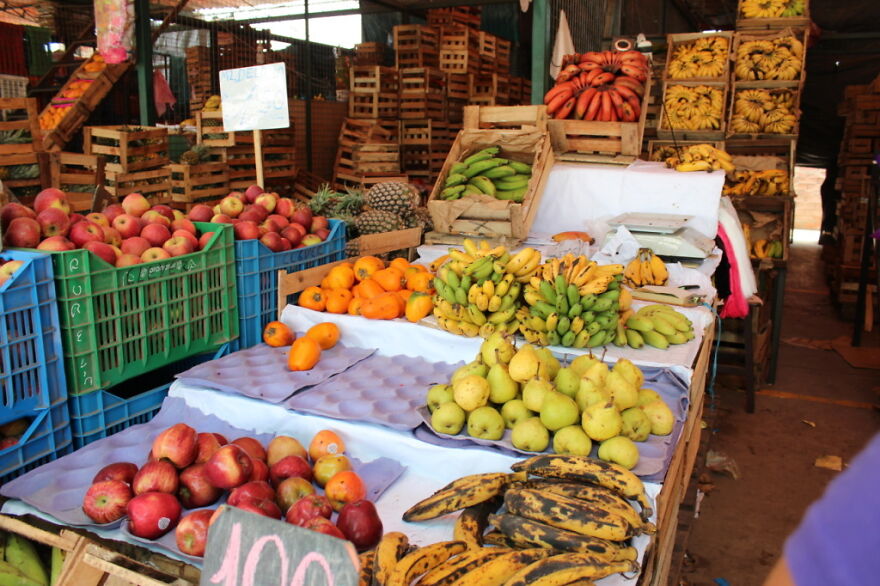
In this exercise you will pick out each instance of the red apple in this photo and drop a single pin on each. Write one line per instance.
(184, 224)
(103, 251)
(250, 491)
(251, 193)
(14, 210)
(178, 444)
(106, 501)
(56, 244)
(204, 239)
(272, 241)
(22, 233)
(7, 442)
(206, 445)
(155, 253)
(320, 223)
(188, 235)
(113, 211)
(178, 246)
(153, 514)
(127, 225)
(156, 476)
(123, 471)
(279, 220)
(231, 206)
(237, 195)
(288, 467)
(191, 534)
(253, 448)
(117, 251)
(112, 236)
(252, 216)
(291, 490)
(282, 446)
(74, 218)
(230, 466)
(127, 260)
(267, 200)
(327, 466)
(360, 523)
(156, 234)
(269, 225)
(246, 230)
(221, 219)
(135, 245)
(322, 233)
(260, 471)
(303, 216)
(294, 233)
(285, 244)
(265, 507)
(284, 207)
(200, 213)
(325, 526)
(53, 222)
(135, 204)
(178, 215)
(311, 240)
(51, 198)
(156, 217)
(221, 438)
(99, 219)
(85, 231)
(164, 210)
(195, 489)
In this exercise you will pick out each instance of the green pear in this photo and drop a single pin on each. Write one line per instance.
(524, 365)
(588, 393)
(502, 387)
(597, 373)
(632, 372)
(533, 393)
(647, 395)
(662, 419)
(515, 411)
(558, 411)
(437, 395)
(636, 425)
(549, 362)
(572, 440)
(583, 363)
(485, 423)
(470, 392)
(448, 418)
(601, 421)
(497, 348)
(567, 381)
(475, 367)
(622, 392)
(530, 435)
(620, 450)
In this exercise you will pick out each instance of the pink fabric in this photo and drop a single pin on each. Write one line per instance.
(162, 94)
(736, 305)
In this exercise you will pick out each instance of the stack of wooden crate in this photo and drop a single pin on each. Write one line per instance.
(136, 159)
(198, 75)
(369, 54)
(374, 92)
(367, 149)
(469, 16)
(416, 45)
(20, 145)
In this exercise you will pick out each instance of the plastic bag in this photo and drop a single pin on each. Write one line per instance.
(114, 22)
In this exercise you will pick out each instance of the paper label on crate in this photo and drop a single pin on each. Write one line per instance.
(153, 270)
(254, 98)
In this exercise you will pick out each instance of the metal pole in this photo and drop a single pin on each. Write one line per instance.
(144, 64)
(309, 164)
(540, 48)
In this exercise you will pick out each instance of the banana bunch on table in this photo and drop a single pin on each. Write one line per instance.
(645, 269)
(656, 325)
(482, 173)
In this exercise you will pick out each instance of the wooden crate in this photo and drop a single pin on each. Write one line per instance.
(193, 183)
(417, 106)
(665, 132)
(458, 86)
(490, 85)
(122, 149)
(278, 163)
(655, 145)
(373, 80)
(773, 87)
(502, 55)
(795, 22)
(469, 16)
(780, 206)
(486, 216)
(369, 54)
(361, 131)
(361, 160)
(424, 162)
(373, 105)
(425, 133)
(24, 187)
(589, 141)
(460, 62)
(420, 80)
(783, 149)
(209, 130)
(487, 44)
(154, 184)
(679, 39)
(20, 114)
(78, 176)
(416, 45)
(367, 180)
(770, 35)
(422, 57)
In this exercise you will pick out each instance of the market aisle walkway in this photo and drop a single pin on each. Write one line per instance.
(828, 411)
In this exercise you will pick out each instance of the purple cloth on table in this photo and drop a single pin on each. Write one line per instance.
(838, 540)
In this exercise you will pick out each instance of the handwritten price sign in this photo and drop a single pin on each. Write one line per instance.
(254, 98)
(246, 549)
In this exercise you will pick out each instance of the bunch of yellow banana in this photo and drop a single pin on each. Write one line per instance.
(698, 157)
(20, 563)
(693, 107)
(572, 302)
(645, 269)
(772, 8)
(759, 110)
(657, 325)
(212, 104)
(780, 58)
(767, 182)
(767, 249)
(700, 58)
(479, 289)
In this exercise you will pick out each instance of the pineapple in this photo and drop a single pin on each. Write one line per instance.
(395, 197)
(197, 154)
(419, 218)
(377, 221)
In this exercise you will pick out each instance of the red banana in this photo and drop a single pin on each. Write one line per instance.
(602, 79)
(605, 111)
(583, 100)
(565, 110)
(631, 83)
(556, 90)
(593, 107)
(593, 56)
(591, 75)
(557, 102)
(635, 104)
(628, 115)
(617, 101)
(608, 57)
(635, 72)
(588, 65)
(614, 116)
(624, 90)
(583, 78)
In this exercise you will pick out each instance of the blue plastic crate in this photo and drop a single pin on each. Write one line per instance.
(256, 272)
(31, 366)
(48, 437)
(102, 413)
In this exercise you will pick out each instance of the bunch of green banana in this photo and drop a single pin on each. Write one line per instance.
(20, 563)
(482, 173)
(479, 289)
(572, 302)
(656, 325)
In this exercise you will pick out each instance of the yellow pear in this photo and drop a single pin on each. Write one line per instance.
(622, 391)
(597, 373)
(632, 372)
(524, 365)
(471, 392)
(582, 363)
(497, 348)
(549, 362)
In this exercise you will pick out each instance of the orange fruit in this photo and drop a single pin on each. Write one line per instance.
(326, 334)
(345, 487)
(325, 443)
(304, 354)
(277, 334)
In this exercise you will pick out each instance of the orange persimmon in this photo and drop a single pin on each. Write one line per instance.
(421, 281)
(304, 354)
(313, 298)
(354, 308)
(400, 264)
(340, 277)
(391, 279)
(276, 334)
(338, 300)
(368, 288)
(326, 334)
(384, 306)
(418, 306)
(364, 267)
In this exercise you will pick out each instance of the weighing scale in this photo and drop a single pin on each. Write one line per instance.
(668, 235)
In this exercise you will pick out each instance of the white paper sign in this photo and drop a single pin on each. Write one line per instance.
(254, 98)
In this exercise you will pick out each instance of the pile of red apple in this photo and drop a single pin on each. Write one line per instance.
(7, 268)
(278, 222)
(122, 235)
(191, 470)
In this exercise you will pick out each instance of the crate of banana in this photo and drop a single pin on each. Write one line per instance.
(769, 56)
(554, 520)
(655, 325)
(572, 302)
(764, 248)
(699, 157)
(693, 110)
(645, 269)
(478, 291)
(660, 150)
(769, 182)
(485, 173)
(771, 109)
(698, 56)
(772, 14)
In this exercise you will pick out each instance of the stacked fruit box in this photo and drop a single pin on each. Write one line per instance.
(78, 176)
(459, 50)
(369, 54)
(416, 45)
(191, 184)
(423, 115)
(374, 92)
(198, 76)
(135, 159)
(772, 14)
(371, 142)
(20, 141)
(34, 409)
(422, 94)
(469, 16)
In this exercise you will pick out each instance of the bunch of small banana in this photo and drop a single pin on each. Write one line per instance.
(767, 249)
(698, 157)
(767, 182)
(482, 173)
(572, 302)
(478, 290)
(780, 58)
(656, 325)
(701, 58)
(772, 8)
(692, 107)
(760, 110)
(645, 269)
(20, 563)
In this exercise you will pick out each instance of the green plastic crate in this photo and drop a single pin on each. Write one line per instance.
(117, 323)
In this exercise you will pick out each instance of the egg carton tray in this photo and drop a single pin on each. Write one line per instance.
(260, 372)
(57, 488)
(654, 454)
(386, 390)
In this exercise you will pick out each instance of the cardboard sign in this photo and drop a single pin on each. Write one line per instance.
(246, 549)
(254, 98)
